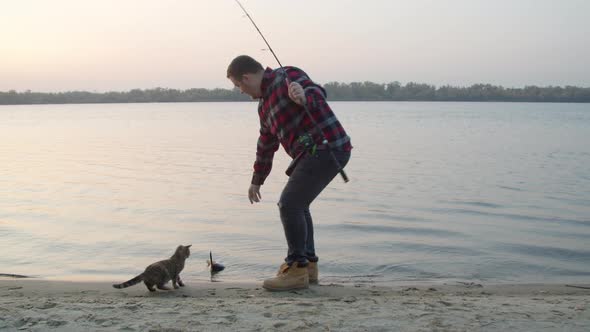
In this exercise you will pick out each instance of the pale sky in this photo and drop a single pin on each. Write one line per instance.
(64, 45)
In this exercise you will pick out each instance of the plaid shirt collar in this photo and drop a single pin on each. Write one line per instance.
(268, 78)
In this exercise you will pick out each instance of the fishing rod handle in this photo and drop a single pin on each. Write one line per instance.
(324, 139)
(338, 166)
(344, 176)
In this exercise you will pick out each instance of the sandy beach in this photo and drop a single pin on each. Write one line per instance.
(41, 305)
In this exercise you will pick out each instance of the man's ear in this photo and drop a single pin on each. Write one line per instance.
(246, 77)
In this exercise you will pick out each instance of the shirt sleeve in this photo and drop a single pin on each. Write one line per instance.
(316, 104)
(267, 145)
(315, 98)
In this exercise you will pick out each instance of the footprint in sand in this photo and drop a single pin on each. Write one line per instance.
(56, 323)
(46, 305)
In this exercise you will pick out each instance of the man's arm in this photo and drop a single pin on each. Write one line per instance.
(267, 145)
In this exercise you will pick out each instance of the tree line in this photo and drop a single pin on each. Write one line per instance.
(355, 91)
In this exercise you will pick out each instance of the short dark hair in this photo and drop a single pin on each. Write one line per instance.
(241, 65)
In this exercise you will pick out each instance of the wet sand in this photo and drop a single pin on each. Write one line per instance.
(41, 305)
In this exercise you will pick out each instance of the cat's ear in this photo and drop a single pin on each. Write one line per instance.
(189, 246)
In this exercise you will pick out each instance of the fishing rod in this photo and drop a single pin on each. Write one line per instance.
(324, 139)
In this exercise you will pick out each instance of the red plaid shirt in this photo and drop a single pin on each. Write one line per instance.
(283, 121)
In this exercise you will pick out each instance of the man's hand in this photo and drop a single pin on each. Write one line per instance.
(296, 93)
(254, 193)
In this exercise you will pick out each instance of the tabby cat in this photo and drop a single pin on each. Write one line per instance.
(159, 273)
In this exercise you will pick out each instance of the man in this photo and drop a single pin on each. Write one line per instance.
(283, 95)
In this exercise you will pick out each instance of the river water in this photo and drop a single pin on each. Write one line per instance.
(486, 192)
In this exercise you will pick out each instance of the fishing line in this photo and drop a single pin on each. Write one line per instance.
(324, 140)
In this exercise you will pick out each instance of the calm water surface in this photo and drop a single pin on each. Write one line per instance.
(487, 192)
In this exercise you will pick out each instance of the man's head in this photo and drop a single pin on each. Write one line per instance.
(246, 74)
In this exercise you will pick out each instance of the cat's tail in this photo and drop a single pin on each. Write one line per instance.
(131, 282)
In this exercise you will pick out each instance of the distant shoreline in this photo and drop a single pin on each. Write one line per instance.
(356, 91)
(344, 101)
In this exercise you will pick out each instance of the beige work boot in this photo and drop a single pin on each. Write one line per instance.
(282, 268)
(312, 270)
(288, 278)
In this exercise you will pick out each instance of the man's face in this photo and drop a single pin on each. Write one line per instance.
(247, 85)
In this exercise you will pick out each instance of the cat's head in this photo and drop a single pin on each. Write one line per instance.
(183, 251)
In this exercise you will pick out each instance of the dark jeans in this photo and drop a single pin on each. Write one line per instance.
(309, 178)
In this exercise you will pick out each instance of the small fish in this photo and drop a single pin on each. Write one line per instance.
(214, 267)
